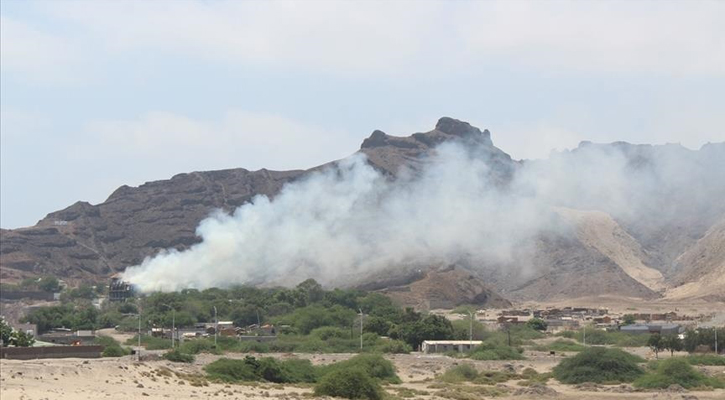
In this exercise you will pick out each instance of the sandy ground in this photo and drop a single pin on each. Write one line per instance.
(125, 378)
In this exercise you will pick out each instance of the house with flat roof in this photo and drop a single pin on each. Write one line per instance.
(662, 329)
(445, 346)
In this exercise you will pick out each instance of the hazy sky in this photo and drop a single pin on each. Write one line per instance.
(97, 94)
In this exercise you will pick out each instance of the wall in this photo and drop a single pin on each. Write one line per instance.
(31, 353)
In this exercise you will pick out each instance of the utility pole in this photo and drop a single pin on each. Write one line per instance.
(173, 323)
(173, 326)
(585, 335)
(716, 353)
(361, 328)
(216, 325)
(138, 351)
(470, 332)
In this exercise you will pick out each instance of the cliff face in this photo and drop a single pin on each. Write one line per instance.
(642, 245)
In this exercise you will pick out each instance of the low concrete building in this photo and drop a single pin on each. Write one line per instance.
(662, 329)
(444, 346)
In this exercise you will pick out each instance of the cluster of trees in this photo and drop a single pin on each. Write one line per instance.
(704, 337)
(14, 338)
(301, 310)
(694, 339)
(658, 343)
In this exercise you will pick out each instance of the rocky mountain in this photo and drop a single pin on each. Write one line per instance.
(632, 220)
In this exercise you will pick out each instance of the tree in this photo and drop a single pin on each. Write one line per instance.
(49, 284)
(672, 343)
(628, 319)
(5, 333)
(656, 343)
(22, 339)
(432, 327)
(537, 324)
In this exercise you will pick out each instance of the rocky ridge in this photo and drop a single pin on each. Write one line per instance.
(644, 255)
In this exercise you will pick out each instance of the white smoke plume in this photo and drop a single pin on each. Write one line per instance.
(350, 220)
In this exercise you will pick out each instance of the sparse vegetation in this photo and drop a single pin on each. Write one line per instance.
(676, 371)
(491, 351)
(599, 365)
(560, 345)
(178, 356)
(601, 337)
(357, 378)
(705, 359)
(111, 348)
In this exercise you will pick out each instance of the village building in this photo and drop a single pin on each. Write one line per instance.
(662, 329)
(445, 346)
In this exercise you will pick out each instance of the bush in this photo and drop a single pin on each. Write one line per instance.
(113, 351)
(177, 356)
(267, 369)
(676, 371)
(561, 345)
(229, 370)
(150, 342)
(374, 365)
(599, 365)
(300, 371)
(350, 383)
(705, 359)
(394, 347)
(111, 347)
(196, 346)
(328, 332)
(488, 351)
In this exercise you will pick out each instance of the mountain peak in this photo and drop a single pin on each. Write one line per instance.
(456, 127)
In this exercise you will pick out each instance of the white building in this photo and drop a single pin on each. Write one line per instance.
(445, 346)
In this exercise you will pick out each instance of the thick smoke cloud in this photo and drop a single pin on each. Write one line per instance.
(349, 220)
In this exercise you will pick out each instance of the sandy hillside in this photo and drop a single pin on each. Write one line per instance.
(598, 230)
(705, 273)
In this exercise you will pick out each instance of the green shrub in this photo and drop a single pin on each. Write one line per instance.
(150, 342)
(567, 334)
(374, 365)
(705, 359)
(350, 383)
(111, 348)
(599, 365)
(196, 346)
(267, 369)
(229, 370)
(177, 356)
(561, 345)
(488, 351)
(300, 371)
(600, 337)
(328, 332)
(393, 347)
(676, 371)
(114, 351)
